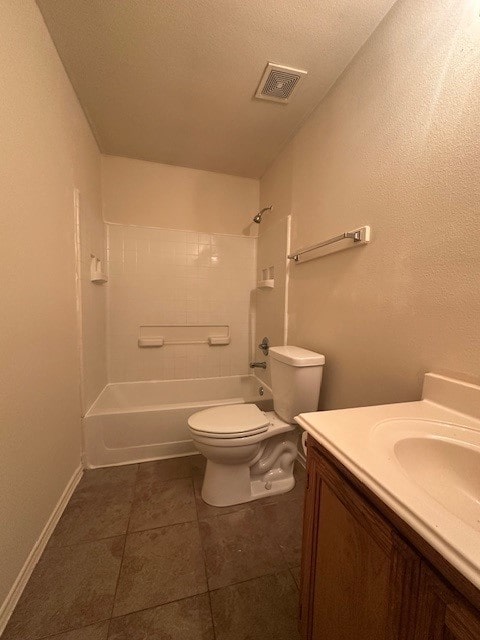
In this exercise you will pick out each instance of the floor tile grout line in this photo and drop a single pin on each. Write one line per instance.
(211, 616)
(291, 573)
(207, 593)
(123, 615)
(156, 606)
(116, 586)
(89, 541)
(286, 566)
(130, 613)
(123, 555)
(162, 526)
(284, 569)
(193, 478)
(81, 488)
(282, 552)
(286, 563)
(190, 478)
(263, 575)
(57, 633)
(83, 542)
(204, 556)
(75, 494)
(253, 504)
(195, 498)
(119, 535)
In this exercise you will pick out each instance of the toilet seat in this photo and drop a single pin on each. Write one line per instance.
(229, 421)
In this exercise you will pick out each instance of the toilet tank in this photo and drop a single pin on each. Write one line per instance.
(296, 380)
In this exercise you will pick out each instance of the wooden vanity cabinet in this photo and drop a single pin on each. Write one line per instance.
(360, 580)
(442, 614)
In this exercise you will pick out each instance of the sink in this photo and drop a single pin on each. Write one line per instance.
(448, 471)
(421, 459)
(443, 459)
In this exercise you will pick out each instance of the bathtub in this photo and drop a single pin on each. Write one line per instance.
(139, 421)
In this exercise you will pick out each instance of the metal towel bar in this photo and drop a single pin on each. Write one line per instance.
(359, 236)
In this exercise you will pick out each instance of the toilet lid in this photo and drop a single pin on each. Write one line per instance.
(229, 421)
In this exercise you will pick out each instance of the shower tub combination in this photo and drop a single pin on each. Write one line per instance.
(138, 421)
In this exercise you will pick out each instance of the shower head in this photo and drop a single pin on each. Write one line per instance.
(258, 217)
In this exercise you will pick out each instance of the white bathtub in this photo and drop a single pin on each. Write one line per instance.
(138, 421)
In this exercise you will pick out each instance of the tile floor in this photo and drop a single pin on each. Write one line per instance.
(137, 555)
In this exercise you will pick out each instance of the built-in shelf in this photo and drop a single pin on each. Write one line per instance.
(267, 278)
(266, 284)
(164, 335)
(97, 275)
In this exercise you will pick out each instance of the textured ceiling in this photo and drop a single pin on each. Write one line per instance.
(173, 82)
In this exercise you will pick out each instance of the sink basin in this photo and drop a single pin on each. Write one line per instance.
(446, 470)
(442, 459)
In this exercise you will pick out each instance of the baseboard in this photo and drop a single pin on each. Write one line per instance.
(13, 597)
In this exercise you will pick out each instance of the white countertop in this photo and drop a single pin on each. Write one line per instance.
(361, 441)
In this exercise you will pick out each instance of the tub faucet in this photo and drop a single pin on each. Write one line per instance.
(258, 365)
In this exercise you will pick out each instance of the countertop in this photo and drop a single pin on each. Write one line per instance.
(358, 440)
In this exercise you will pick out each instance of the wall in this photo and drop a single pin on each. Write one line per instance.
(47, 149)
(393, 145)
(160, 195)
(270, 317)
(161, 276)
(91, 241)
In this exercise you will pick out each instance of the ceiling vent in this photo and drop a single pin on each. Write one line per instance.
(278, 83)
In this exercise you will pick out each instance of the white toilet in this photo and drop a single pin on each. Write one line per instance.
(250, 454)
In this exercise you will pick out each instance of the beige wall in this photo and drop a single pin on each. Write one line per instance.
(93, 295)
(160, 195)
(46, 149)
(394, 145)
(270, 317)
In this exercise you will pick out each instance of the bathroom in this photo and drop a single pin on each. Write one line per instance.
(260, 218)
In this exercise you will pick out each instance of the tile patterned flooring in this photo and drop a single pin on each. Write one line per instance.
(138, 555)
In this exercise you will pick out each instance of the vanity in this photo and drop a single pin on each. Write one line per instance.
(391, 539)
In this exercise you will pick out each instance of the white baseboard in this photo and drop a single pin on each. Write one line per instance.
(7, 607)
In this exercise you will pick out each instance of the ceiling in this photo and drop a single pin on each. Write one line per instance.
(173, 81)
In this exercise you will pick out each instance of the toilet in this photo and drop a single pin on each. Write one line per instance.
(250, 453)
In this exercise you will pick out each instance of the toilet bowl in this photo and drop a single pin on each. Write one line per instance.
(250, 453)
(238, 455)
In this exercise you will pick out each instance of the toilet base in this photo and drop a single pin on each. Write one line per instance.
(269, 473)
(245, 490)
(282, 485)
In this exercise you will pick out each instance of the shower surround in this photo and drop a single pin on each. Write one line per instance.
(170, 277)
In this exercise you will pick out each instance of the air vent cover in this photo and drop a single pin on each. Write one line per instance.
(278, 82)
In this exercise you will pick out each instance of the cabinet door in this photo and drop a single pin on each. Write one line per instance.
(443, 615)
(311, 511)
(359, 579)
